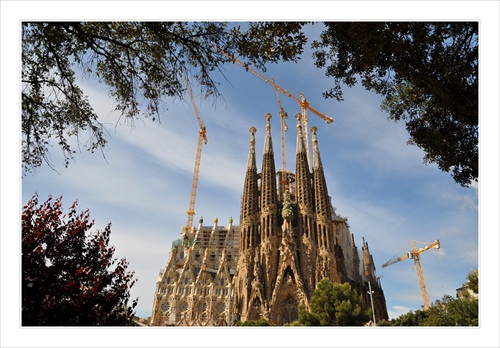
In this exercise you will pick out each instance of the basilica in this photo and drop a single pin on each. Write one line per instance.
(288, 239)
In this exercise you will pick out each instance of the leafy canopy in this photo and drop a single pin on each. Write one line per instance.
(473, 281)
(141, 63)
(448, 311)
(260, 322)
(428, 74)
(69, 275)
(334, 305)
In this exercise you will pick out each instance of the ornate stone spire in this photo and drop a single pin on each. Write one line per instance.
(316, 157)
(368, 264)
(268, 194)
(250, 201)
(300, 139)
(251, 163)
(303, 176)
(322, 199)
(268, 143)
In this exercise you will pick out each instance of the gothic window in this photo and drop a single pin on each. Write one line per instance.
(165, 306)
(169, 280)
(290, 311)
(183, 307)
(219, 310)
(221, 282)
(186, 281)
(198, 309)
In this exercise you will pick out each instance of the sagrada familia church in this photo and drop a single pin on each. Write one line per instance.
(289, 238)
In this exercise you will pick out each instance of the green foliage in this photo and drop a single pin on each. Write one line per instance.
(334, 305)
(260, 322)
(452, 312)
(69, 275)
(473, 281)
(447, 312)
(410, 319)
(141, 63)
(428, 74)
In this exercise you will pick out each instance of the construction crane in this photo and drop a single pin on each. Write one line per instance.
(284, 174)
(202, 138)
(283, 128)
(414, 254)
(304, 104)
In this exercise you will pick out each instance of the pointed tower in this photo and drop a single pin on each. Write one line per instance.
(369, 275)
(306, 220)
(249, 232)
(249, 218)
(269, 252)
(305, 196)
(328, 266)
(322, 204)
(368, 264)
(268, 189)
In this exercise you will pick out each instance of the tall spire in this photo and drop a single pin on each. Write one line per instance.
(268, 194)
(268, 143)
(316, 158)
(304, 192)
(300, 139)
(250, 199)
(322, 202)
(251, 163)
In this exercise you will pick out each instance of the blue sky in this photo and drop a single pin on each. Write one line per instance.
(143, 182)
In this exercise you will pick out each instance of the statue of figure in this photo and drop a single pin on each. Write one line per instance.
(286, 212)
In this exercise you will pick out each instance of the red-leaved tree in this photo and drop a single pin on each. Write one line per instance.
(69, 275)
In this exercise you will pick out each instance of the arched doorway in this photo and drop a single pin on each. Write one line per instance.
(290, 311)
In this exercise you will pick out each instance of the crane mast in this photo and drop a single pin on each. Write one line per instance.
(284, 176)
(283, 129)
(202, 138)
(414, 254)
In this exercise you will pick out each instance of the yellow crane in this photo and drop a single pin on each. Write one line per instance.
(202, 138)
(414, 254)
(304, 104)
(285, 176)
(283, 129)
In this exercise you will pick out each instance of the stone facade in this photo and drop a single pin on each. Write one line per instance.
(289, 239)
(194, 287)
